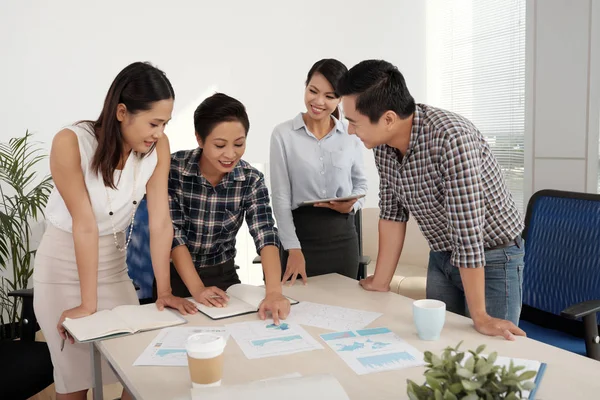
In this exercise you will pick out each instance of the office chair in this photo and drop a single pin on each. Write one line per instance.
(363, 261)
(561, 278)
(26, 364)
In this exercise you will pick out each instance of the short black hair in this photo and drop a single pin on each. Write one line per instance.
(379, 87)
(216, 109)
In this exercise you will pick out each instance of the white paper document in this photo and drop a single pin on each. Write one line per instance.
(259, 339)
(168, 348)
(373, 350)
(330, 317)
(293, 388)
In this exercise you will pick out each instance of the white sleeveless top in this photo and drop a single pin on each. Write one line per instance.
(130, 183)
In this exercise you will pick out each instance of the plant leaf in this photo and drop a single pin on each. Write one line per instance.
(438, 395)
(471, 396)
(433, 383)
(529, 385)
(527, 375)
(492, 357)
(464, 373)
(456, 388)
(448, 395)
(470, 363)
(511, 396)
(480, 349)
(470, 385)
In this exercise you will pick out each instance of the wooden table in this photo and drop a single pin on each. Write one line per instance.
(568, 376)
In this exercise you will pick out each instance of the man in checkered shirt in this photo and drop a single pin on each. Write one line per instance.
(437, 166)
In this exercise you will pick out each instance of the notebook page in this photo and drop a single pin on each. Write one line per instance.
(100, 324)
(147, 317)
(234, 307)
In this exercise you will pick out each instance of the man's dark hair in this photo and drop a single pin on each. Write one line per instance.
(379, 87)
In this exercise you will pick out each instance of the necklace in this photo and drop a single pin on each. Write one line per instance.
(134, 203)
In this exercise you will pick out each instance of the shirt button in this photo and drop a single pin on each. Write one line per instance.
(321, 158)
(323, 192)
(322, 172)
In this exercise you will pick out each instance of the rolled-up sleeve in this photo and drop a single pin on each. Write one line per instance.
(390, 207)
(177, 215)
(259, 216)
(282, 193)
(359, 177)
(465, 203)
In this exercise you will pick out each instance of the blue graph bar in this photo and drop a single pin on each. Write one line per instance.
(385, 360)
(372, 331)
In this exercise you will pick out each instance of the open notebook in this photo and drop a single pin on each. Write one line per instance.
(243, 299)
(121, 320)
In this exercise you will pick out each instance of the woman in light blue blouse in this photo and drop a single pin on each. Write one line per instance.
(313, 157)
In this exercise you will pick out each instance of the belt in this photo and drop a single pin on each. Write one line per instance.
(514, 242)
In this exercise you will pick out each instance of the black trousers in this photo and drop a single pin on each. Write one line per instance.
(329, 241)
(221, 276)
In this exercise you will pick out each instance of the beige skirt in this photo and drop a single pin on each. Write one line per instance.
(56, 289)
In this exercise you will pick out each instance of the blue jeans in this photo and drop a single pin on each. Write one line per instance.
(503, 282)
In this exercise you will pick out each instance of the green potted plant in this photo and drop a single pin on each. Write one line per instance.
(456, 377)
(23, 199)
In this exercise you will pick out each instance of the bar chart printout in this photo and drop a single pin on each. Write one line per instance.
(373, 350)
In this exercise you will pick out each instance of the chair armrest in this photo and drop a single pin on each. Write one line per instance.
(256, 260)
(24, 293)
(365, 260)
(581, 310)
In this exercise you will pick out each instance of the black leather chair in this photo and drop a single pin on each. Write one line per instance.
(25, 364)
(363, 261)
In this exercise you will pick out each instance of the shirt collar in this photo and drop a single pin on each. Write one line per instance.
(298, 122)
(193, 169)
(417, 127)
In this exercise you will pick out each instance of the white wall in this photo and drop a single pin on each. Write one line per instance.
(60, 57)
(563, 95)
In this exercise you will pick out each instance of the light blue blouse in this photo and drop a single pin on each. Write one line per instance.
(303, 168)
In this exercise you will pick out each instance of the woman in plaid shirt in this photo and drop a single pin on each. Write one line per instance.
(211, 190)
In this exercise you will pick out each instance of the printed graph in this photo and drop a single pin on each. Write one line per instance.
(281, 327)
(270, 341)
(385, 361)
(338, 335)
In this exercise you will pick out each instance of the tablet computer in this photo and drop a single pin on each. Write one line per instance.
(312, 202)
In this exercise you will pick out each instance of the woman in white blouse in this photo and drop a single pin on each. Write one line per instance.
(313, 157)
(101, 171)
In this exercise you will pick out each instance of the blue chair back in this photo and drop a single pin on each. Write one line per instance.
(139, 262)
(562, 250)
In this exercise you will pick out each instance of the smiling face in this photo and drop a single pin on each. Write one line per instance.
(319, 97)
(141, 130)
(223, 148)
(372, 135)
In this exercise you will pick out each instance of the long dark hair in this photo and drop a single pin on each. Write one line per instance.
(137, 86)
(333, 70)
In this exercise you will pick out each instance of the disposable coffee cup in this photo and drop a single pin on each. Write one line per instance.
(205, 359)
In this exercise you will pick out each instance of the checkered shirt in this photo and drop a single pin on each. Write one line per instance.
(451, 183)
(207, 218)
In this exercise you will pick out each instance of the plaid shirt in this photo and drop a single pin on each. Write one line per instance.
(451, 183)
(206, 219)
